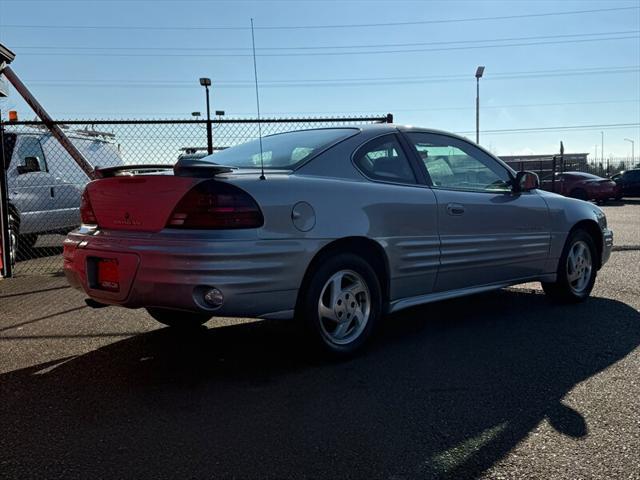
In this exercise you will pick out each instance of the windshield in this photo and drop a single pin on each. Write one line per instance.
(285, 150)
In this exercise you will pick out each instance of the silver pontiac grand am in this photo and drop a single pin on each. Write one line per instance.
(345, 225)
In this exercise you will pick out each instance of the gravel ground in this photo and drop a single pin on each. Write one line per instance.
(502, 385)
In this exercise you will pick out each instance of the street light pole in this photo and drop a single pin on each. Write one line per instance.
(206, 83)
(479, 72)
(633, 153)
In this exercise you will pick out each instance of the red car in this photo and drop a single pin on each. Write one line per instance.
(585, 186)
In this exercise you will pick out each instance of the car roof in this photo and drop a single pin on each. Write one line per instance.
(390, 127)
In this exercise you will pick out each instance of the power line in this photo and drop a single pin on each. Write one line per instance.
(370, 52)
(365, 111)
(527, 73)
(327, 26)
(557, 129)
(379, 45)
(327, 83)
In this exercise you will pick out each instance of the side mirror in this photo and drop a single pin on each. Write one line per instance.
(526, 181)
(31, 164)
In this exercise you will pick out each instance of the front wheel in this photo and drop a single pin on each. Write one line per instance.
(178, 319)
(341, 304)
(577, 270)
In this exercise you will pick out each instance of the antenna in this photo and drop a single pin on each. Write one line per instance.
(255, 76)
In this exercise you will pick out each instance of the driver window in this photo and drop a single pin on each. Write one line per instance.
(456, 165)
(30, 147)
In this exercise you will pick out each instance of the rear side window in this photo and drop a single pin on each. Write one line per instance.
(383, 159)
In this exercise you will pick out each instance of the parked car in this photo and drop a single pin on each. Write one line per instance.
(585, 186)
(346, 225)
(628, 183)
(45, 183)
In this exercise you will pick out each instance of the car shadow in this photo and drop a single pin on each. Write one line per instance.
(445, 390)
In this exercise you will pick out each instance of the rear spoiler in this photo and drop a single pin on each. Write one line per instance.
(129, 170)
(196, 167)
(183, 168)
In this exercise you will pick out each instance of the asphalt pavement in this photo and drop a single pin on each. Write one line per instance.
(501, 385)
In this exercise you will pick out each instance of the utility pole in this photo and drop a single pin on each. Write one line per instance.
(633, 153)
(206, 83)
(602, 147)
(479, 72)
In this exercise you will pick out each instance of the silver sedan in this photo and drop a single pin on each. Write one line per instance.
(331, 227)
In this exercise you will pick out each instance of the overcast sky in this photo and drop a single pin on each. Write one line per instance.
(551, 64)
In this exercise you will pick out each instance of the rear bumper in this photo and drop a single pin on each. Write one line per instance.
(258, 278)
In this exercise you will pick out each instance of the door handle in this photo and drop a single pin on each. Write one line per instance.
(52, 192)
(455, 209)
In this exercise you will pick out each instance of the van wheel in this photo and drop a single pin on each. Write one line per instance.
(27, 241)
(576, 273)
(178, 319)
(342, 304)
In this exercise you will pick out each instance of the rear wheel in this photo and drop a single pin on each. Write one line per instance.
(178, 318)
(341, 304)
(576, 273)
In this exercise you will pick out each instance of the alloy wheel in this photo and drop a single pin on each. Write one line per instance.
(344, 307)
(579, 266)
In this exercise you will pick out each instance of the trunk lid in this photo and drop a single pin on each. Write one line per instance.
(137, 202)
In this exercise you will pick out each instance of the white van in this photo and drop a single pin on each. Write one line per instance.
(45, 183)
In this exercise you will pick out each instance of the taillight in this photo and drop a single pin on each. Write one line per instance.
(216, 205)
(87, 215)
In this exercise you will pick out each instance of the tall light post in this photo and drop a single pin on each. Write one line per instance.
(206, 83)
(479, 72)
(633, 153)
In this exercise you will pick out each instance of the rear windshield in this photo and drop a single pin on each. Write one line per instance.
(285, 150)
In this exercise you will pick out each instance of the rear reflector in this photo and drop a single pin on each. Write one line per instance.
(87, 215)
(216, 205)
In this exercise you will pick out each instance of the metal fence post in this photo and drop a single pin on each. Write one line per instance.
(7, 267)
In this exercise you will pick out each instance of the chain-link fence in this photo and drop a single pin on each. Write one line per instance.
(547, 167)
(44, 183)
(603, 168)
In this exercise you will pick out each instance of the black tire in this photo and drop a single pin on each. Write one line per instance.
(579, 193)
(27, 241)
(562, 290)
(319, 328)
(178, 319)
